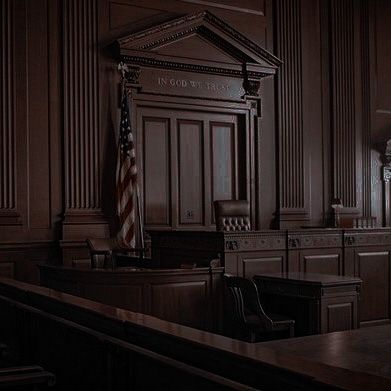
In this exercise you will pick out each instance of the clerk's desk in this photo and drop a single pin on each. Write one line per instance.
(319, 303)
(362, 253)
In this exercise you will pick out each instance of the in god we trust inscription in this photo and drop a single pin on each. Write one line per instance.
(191, 84)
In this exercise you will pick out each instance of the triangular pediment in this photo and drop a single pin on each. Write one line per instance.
(194, 40)
(197, 47)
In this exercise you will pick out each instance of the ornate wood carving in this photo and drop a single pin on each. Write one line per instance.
(8, 212)
(247, 60)
(370, 238)
(81, 114)
(255, 241)
(386, 176)
(343, 106)
(314, 239)
(292, 199)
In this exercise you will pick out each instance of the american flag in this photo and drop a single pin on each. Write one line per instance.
(126, 178)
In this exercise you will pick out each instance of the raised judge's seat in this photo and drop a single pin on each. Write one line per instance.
(250, 322)
(232, 215)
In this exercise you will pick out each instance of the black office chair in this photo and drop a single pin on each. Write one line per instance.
(250, 320)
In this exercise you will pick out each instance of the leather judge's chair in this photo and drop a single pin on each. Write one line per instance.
(232, 215)
(250, 321)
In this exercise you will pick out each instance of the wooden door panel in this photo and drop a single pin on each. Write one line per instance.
(156, 171)
(374, 270)
(188, 159)
(253, 265)
(321, 263)
(191, 172)
(223, 161)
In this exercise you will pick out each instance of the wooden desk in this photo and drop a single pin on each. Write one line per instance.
(363, 253)
(319, 303)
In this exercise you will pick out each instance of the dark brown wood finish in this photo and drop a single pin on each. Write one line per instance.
(363, 253)
(119, 349)
(192, 297)
(59, 96)
(370, 253)
(319, 303)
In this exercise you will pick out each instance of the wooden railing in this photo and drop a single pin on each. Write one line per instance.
(90, 345)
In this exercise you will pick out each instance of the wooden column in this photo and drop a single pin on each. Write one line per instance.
(293, 192)
(366, 15)
(346, 151)
(8, 204)
(83, 216)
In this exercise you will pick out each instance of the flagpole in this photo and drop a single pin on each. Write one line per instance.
(140, 223)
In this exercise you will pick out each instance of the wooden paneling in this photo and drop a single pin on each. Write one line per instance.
(380, 75)
(346, 154)
(254, 264)
(223, 161)
(60, 117)
(7, 123)
(339, 317)
(81, 126)
(191, 172)
(83, 215)
(246, 6)
(374, 270)
(292, 154)
(191, 157)
(321, 263)
(156, 171)
(172, 300)
(129, 296)
(187, 296)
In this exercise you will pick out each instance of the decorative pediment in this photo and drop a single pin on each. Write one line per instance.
(199, 43)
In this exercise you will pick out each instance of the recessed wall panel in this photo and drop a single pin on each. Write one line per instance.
(222, 161)
(190, 169)
(156, 157)
(374, 270)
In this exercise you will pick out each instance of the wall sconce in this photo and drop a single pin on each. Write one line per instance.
(336, 205)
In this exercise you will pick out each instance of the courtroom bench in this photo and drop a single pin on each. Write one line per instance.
(91, 345)
(319, 303)
(363, 253)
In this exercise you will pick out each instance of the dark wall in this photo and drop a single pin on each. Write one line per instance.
(321, 134)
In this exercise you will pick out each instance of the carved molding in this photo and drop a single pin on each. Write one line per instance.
(358, 239)
(81, 114)
(292, 203)
(252, 87)
(249, 60)
(314, 240)
(198, 21)
(343, 101)
(8, 173)
(254, 242)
